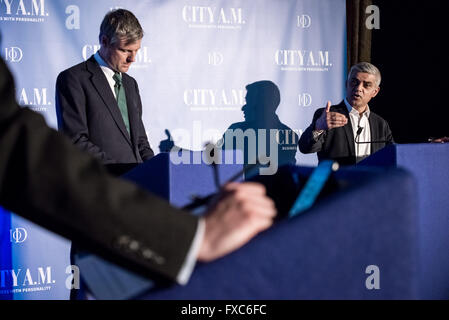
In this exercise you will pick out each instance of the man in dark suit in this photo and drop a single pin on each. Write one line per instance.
(349, 131)
(98, 104)
(47, 180)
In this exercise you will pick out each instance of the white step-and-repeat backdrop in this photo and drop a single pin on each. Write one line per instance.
(196, 59)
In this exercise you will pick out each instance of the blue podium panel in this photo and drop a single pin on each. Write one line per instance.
(349, 245)
(429, 164)
(178, 177)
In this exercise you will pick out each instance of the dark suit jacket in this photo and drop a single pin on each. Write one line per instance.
(338, 143)
(47, 180)
(89, 114)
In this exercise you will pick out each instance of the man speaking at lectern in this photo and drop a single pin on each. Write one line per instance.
(98, 104)
(350, 131)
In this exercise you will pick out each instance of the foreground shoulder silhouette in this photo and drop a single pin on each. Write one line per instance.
(47, 180)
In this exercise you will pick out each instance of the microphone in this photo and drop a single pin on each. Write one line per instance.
(216, 175)
(359, 131)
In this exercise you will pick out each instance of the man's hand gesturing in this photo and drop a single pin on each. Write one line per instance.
(329, 120)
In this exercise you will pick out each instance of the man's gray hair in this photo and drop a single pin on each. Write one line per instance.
(365, 67)
(121, 24)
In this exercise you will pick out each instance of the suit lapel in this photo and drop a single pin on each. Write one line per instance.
(374, 134)
(347, 128)
(101, 84)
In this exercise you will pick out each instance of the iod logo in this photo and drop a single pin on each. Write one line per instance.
(304, 21)
(13, 54)
(18, 235)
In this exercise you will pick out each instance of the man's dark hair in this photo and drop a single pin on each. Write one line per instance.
(121, 24)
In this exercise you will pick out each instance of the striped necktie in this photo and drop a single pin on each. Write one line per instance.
(121, 99)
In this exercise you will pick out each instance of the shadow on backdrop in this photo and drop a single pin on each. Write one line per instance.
(272, 137)
(262, 136)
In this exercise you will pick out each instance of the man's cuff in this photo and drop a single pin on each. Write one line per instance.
(316, 134)
(190, 261)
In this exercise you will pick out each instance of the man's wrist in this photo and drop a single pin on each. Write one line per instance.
(316, 134)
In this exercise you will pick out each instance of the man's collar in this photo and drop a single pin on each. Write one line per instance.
(103, 64)
(352, 110)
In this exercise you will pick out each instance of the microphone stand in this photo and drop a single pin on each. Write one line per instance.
(359, 130)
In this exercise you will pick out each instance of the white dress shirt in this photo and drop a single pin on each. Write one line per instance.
(108, 72)
(360, 121)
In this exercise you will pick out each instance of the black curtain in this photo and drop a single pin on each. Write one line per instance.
(410, 51)
(409, 48)
(358, 36)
